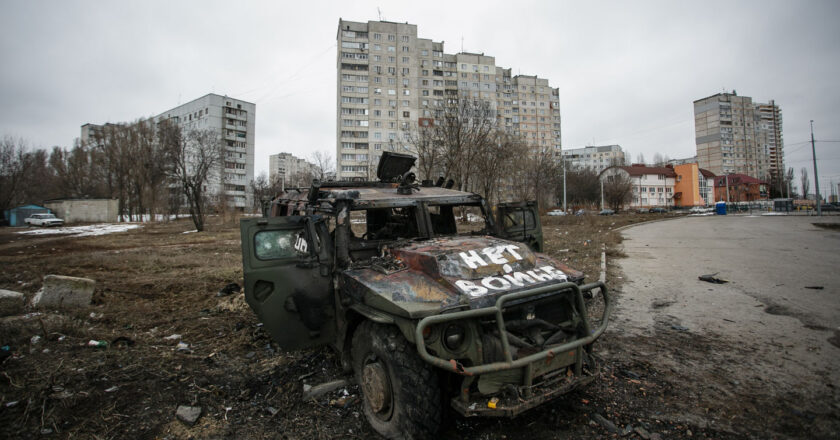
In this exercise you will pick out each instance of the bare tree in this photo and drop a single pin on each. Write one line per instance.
(618, 190)
(806, 183)
(640, 158)
(194, 161)
(658, 160)
(14, 166)
(264, 190)
(324, 165)
(788, 181)
(583, 187)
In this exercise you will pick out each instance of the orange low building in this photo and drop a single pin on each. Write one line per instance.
(692, 187)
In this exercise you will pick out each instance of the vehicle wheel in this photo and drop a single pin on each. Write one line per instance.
(401, 395)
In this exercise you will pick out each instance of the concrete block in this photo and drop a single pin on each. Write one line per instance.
(11, 302)
(62, 291)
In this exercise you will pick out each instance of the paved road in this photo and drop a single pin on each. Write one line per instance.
(769, 328)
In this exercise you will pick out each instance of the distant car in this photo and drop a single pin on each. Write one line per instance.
(556, 212)
(43, 220)
(606, 212)
(658, 210)
(697, 210)
(580, 212)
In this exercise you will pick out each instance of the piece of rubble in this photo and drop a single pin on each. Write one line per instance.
(316, 391)
(608, 425)
(188, 414)
(62, 291)
(711, 278)
(11, 302)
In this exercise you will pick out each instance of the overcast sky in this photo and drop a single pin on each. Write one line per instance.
(628, 72)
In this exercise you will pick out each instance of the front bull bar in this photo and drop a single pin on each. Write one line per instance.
(497, 309)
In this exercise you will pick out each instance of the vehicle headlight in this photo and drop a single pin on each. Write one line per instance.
(454, 336)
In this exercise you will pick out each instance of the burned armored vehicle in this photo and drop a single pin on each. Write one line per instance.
(433, 298)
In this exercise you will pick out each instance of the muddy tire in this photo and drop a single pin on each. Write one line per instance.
(401, 396)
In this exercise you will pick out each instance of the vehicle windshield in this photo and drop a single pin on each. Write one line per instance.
(371, 227)
(44, 216)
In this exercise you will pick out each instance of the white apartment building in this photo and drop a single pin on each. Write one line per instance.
(594, 158)
(234, 120)
(389, 81)
(735, 135)
(290, 170)
(652, 186)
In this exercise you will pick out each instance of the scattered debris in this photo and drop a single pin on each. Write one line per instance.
(230, 289)
(815, 287)
(313, 392)
(627, 430)
(606, 424)
(642, 433)
(711, 278)
(188, 414)
(183, 347)
(35, 340)
(112, 389)
(122, 341)
(172, 337)
(98, 344)
(679, 328)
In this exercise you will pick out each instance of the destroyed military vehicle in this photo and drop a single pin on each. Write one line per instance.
(430, 296)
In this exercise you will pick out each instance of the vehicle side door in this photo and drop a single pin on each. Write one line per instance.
(520, 221)
(286, 265)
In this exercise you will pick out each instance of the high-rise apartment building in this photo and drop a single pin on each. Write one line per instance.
(389, 81)
(233, 119)
(735, 135)
(292, 171)
(595, 158)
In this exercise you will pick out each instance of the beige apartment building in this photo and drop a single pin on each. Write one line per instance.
(595, 157)
(390, 80)
(292, 171)
(735, 135)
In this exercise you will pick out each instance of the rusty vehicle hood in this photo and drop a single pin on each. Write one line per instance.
(426, 277)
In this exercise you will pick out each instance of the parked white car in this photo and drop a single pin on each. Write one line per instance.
(556, 212)
(43, 220)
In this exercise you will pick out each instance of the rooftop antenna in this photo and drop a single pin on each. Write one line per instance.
(379, 13)
(462, 43)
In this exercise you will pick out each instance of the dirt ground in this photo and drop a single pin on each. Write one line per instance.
(157, 287)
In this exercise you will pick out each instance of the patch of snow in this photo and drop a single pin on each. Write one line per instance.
(190, 232)
(84, 231)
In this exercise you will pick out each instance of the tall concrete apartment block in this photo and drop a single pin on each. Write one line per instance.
(595, 158)
(736, 135)
(291, 170)
(389, 81)
(234, 120)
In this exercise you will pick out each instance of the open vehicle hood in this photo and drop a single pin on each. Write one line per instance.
(421, 278)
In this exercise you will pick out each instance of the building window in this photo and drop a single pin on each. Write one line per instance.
(406, 114)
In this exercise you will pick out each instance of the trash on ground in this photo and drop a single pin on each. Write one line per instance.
(679, 328)
(122, 341)
(815, 287)
(183, 346)
(229, 289)
(112, 389)
(711, 278)
(313, 392)
(172, 337)
(95, 343)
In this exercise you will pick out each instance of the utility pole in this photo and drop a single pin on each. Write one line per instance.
(602, 193)
(564, 181)
(816, 177)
